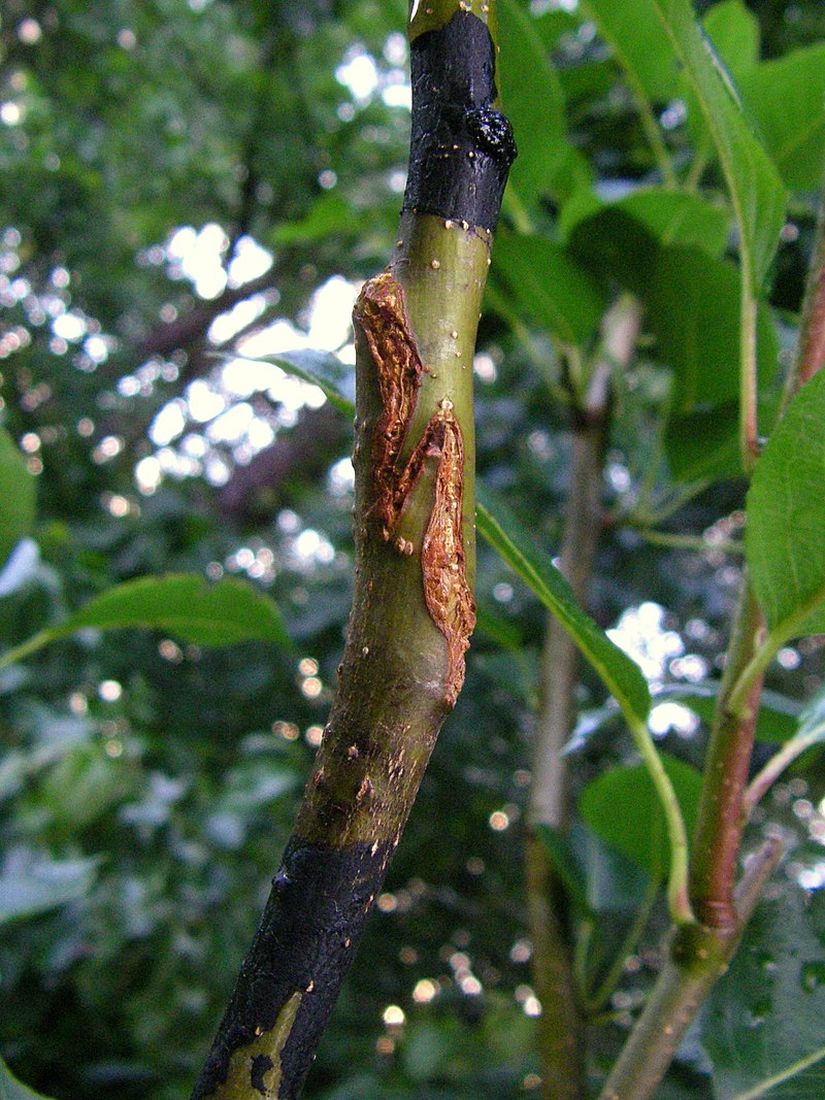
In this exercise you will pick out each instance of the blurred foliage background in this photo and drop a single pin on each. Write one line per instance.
(188, 178)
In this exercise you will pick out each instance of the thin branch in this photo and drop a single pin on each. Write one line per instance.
(778, 763)
(696, 958)
(810, 355)
(720, 819)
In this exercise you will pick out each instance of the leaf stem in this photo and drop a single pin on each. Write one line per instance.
(679, 904)
(603, 992)
(748, 425)
(25, 649)
(777, 764)
(784, 1075)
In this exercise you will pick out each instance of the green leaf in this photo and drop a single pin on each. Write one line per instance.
(766, 1012)
(734, 32)
(329, 214)
(679, 218)
(786, 98)
(705, 443)
(17, 492)
(558, 848)
(778, 720)
(44, 886)
(186, 606)
(693, 309)
(534, 102)
(639, 44)
(547, 286)
(618, 672)
(785, 534)
(12, 1089)
(322, 369)
(755, 187)
(623, 809)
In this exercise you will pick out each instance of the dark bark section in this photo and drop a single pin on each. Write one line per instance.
(305, 942)
(461, 147)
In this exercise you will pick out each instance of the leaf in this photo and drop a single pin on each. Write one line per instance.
(558, 848)
(705, 443)
(618, 672)
(766, 1012)
(679, 218)
(533, 100)
(639, 44)
(17, 492)
(548, 287)
(12, 1089)
(44, 886)
(195, 611)
(623, 809)
(322, 369)
(753, 182)
(786, 99)
(693, 309)
(329, 214)
(778, 720)
(734, 32)
(785, 534)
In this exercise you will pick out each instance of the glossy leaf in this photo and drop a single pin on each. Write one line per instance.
(786, 99)
(734, 32)
(679, 218)
(618, 672)
(547, 286)
(753, 182)
(766, 1012)
(17, 492)
(44, 886)
(785, 535)
(622, 808)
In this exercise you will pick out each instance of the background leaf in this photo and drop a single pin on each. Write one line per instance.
(17, 493)
(787, 100)
(43, 886)
(623, 809)
(534, 102)
(754, 184)
(547, 286)
(785, 534)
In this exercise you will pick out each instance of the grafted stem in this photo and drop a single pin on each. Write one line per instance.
(413, 611)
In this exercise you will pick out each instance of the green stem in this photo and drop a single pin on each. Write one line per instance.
(603, 992)
(25, 649)
(677, 889)
(688, 542)
(777, 764)
(748, 426)
(413, 610)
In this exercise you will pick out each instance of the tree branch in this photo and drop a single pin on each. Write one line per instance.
(413, 609)
(560, 1025)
